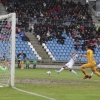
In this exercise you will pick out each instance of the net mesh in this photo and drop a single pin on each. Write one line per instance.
(5, 51)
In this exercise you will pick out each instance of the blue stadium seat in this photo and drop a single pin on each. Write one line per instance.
(22, 48)
(63, 52)
(18, 49)
(18, 42)
(52, 48)
(25, 49)
(28, 51)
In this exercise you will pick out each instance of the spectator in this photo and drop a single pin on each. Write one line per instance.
(60, 38)
(49, 15)
(49, 36)
(26, 26)
(22, 58)
(34, 63)
(98, 33)
(27, 63)
(97, 28)
(77, 37)
(4, 2)
(77, 44)
(2, 37)
(84, 46)
(6, 38)
(7, 64)
(19, 62)
(4, 58)
(31, 28)
(43, 38)
(23, 36)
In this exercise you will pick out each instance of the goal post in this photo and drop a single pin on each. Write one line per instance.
(7, 49)
(13, 17)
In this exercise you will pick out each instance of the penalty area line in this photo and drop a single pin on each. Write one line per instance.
(32, 93)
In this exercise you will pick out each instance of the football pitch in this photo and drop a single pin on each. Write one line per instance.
(35, 84)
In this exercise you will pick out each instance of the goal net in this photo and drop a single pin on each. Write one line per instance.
(7, 49)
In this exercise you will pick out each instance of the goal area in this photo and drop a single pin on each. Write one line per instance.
(7, 49)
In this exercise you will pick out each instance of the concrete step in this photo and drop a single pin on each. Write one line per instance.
(1, 4)
(34, 42)
(3, 13)
(96, 20)
(2, 9)
(40, 50)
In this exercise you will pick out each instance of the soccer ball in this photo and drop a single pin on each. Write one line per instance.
(48, 72)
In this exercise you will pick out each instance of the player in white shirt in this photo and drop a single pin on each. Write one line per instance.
(70, 64)
(98, 68)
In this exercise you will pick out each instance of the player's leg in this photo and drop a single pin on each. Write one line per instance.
(91, 74)
(94, 71)
(83, 67)
(61, 69)
(71, 70)
(97, 68)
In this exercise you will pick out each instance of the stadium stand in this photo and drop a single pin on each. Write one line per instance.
(62, 27)
(21, 44)
(25, 47)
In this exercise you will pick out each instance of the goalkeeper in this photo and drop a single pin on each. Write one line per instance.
(3, 68)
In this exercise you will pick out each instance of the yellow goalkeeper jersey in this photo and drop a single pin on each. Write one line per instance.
(90, 56)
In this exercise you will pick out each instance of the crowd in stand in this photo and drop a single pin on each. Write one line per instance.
(52, 17)
(5, 30)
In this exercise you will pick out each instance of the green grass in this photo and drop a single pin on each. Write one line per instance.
(75, 88)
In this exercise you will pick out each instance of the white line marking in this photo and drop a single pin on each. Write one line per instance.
(33, 93)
